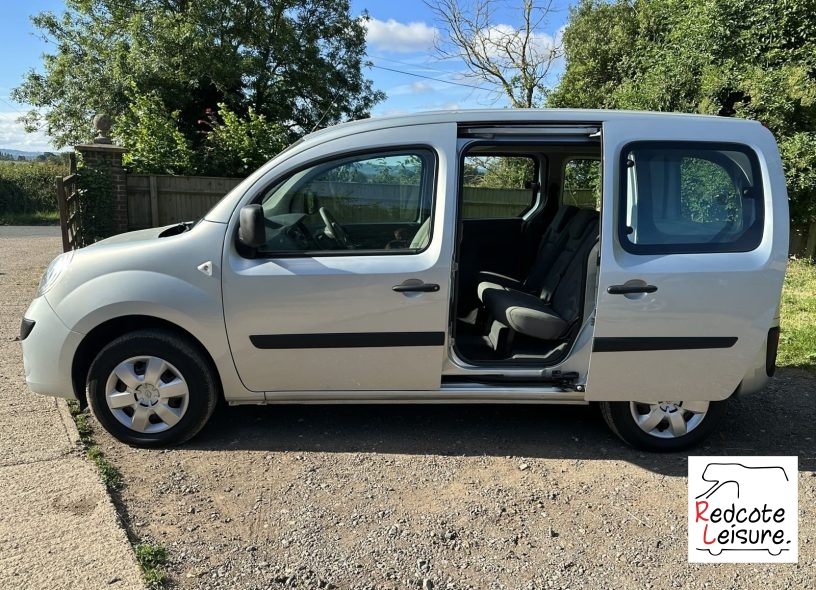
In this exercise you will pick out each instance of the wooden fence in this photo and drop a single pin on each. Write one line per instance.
(582, 197)
(803, 241)
(155, 200)
(158, 199)
(363, 202)
(494, 203)
(70, 203)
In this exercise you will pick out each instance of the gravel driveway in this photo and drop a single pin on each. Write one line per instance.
(58, 527)
(454, 497)
(449, 497)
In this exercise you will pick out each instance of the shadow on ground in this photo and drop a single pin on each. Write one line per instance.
(777, 422)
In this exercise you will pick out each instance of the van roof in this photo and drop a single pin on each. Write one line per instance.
(511, 116)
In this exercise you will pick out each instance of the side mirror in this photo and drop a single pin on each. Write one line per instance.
(251, 229)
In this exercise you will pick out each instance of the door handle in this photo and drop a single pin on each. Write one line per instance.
(630, 289)
(416, 288)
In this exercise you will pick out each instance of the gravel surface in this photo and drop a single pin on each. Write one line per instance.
(481, 497)
(58, 527)
(509, 497)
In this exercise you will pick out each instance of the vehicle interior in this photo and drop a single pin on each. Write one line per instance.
(529, 226)
(528, 233)
(378, 203)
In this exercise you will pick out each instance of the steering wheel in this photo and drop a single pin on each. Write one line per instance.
(334, 230)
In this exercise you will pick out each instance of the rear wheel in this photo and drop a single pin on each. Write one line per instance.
(151, 388)
(662, 426)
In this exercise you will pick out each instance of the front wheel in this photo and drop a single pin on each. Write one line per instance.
(151, 388)
(662, 426)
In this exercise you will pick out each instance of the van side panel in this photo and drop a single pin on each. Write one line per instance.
(705, 326)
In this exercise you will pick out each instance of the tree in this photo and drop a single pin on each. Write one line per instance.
(516, 59)
(745, 58)
(156, 146)
(297, 64)
(499, 171)
(239, 146)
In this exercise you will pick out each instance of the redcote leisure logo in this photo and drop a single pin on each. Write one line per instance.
(743, 509)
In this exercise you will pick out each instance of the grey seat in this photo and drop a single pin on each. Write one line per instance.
(526, 314)
(549, 314)
(568, 223)
(423, 235)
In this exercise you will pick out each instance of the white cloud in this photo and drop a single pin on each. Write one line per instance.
(415, 88)
(421, 87)
(14, 137)
(440, 106)
(499, 38)
(397, 37)
(390, 113)
(559, 34)
(450, 106)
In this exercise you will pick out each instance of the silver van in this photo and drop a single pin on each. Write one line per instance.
(631, 259)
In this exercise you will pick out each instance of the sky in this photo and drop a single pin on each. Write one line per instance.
(400, 45)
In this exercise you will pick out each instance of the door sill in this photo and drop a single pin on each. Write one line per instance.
(455, 393)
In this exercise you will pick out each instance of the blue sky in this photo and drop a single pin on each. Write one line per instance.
(400, 37)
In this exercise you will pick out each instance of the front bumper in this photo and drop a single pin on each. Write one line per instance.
(48, 351)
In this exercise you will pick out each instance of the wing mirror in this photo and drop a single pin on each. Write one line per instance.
(251, 228)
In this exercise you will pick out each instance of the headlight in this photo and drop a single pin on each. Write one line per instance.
(54, 271)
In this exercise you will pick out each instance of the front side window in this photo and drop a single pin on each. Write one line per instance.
(689, 197)
(498, 186)
(366, 204)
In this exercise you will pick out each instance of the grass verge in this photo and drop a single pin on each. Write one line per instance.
(151, 556)
(797, 342)
(38, 218)
(108, 473)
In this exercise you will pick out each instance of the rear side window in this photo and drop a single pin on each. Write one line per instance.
(582, 183)
(690, 197)
(497, 187)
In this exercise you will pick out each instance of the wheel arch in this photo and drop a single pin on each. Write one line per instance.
(99, 336)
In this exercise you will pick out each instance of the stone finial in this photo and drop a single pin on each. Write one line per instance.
(102, 123)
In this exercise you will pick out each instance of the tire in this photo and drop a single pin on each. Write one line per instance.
(152, 388)
(657, 426)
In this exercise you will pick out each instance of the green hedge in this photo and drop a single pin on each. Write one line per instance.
(28, 187)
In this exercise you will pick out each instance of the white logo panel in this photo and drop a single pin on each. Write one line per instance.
(743, 509)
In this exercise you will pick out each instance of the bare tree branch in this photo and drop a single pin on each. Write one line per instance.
(515, 58)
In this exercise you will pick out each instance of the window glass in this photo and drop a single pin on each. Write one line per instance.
(691, 199)
(364, 203)
(582, 183)
(498, 186)
(708, 196)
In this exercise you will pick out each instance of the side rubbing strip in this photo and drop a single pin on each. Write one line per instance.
(348, 340)
(680, 343)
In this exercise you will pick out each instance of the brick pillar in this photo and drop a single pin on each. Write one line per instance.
(106, 156)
